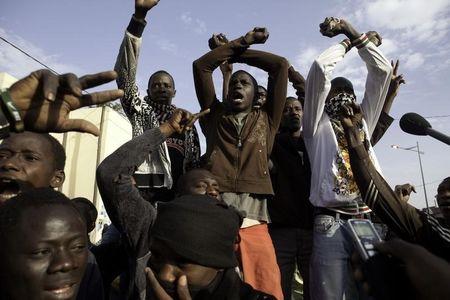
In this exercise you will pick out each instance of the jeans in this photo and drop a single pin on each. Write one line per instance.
(293, 247)
(331, 276)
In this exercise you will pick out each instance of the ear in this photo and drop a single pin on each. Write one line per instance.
(58, 179)
(174, 92)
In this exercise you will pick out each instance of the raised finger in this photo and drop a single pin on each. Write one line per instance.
(157, 289)
(396, 67)
(50, 84)
(96, 98)
(195, 117)
(202, 113)
(78, 125)
(93, 80)
(71, 83)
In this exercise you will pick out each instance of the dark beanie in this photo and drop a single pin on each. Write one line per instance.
(342, 82)
(200, 229)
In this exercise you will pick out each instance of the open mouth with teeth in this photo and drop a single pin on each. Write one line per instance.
(8, 188)
(237, 97)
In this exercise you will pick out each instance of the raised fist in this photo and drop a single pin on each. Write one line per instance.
(141, 7)
(258, 35)
(217, 40)
(404, 191)
(374, 37)
(332, 26)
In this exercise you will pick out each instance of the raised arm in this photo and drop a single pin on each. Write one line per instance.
(205, 65)
(126, 63)
(298, 82)
(318, 82)
(277, 68)
(379, 72)
(125, 206)
(401, 217)
(226, 68)
(385, 120)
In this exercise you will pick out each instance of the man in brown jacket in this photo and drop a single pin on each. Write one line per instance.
(239, 141)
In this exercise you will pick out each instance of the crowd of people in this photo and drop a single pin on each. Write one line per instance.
(273, 194)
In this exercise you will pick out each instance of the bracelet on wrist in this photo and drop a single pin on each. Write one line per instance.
(361, 41)
(347, 45)
(11, 112)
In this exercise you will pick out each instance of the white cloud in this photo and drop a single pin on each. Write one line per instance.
(19, 65)
(305, 59)
(167, 45)
(195, 24)
(412, 60)
(389, 46)
(423, 21)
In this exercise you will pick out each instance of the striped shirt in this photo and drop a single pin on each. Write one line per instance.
(403, 219)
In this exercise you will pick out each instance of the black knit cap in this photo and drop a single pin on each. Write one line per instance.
(199, 228)
(342, 82)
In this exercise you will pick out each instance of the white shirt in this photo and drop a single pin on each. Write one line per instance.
(318, 133)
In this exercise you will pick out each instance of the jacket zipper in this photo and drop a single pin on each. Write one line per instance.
(238, 160)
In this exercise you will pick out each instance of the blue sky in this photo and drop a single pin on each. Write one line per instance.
(84, 36)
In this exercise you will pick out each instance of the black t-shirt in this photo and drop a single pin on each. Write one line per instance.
(291, 180)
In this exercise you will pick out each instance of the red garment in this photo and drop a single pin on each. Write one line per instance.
(258, 260)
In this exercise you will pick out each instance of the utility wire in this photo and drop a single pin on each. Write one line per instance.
(29, 55)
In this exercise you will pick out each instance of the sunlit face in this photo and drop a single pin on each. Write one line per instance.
(292, 115)
(168, 267)
(48, 260)
(26, 159)
(161, 88)
(241, 92)
(261, 97)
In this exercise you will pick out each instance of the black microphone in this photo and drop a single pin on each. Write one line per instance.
(415, 124)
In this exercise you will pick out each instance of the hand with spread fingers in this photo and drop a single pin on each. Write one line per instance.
(44, 100)
(396, 80)
(159, 292)
(258, 35)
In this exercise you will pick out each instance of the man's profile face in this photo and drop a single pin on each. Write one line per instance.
(168, 267)
(261, 97)
(241, 92)
(26, 159)
(161, 88)
(201, 182)
(292, 115)
(49, 259)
